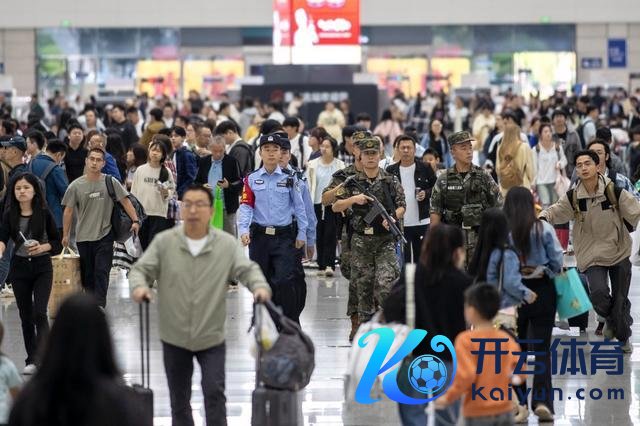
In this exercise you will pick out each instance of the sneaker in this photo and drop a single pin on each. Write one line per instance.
(522, 416)
(30, 369)
(599, 329)
(328, 272)
(543, 413)
(626, 347)
(321, 273)
(7, 291)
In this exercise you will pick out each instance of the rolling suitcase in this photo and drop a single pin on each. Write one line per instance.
(143, 394)
(272, 407)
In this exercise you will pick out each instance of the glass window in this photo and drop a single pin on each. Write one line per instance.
(119, 42)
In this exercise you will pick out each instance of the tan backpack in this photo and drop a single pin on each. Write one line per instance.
(508, 174)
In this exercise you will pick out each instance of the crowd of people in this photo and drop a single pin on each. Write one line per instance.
(483, 191)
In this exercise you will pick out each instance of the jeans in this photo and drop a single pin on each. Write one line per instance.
(535, 322)
(414, 236)
(547, 194)
(31, 279)
(95, 265)
(416, 415)
(5, 263)
(614, 306)
(178, 365)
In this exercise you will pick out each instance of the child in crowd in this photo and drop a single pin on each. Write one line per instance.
(493, 383)
(10, 382)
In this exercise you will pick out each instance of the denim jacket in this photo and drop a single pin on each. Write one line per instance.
(513, 291)
(544, 249)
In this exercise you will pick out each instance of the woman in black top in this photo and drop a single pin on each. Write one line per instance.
(439, 297)
(78, 382)
(33, 230)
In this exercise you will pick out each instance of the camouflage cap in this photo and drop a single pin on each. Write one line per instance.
(369, 144)
(460, 137)
(360, 137)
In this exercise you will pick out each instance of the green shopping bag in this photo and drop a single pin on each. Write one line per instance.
(573, 299)
(218, 209)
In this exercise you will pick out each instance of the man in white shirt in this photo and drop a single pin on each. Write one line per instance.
(300, 148)
(416, 179)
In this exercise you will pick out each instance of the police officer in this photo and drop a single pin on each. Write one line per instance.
(300, 181)
(463, 192)
(328, 198)
(374, 265)
(269, 202)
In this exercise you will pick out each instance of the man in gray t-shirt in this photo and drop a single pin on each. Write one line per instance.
(88, 197)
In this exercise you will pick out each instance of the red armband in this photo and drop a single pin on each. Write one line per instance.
(247, 194)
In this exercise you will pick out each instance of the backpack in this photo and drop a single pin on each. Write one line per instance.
(612, 193)
(120, 221)
(508, 175)
(42, 179)
(580, 131)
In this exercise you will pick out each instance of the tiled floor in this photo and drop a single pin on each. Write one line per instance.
(324, 320)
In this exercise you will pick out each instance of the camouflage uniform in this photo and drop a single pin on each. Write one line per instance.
(345, 245)
(461, 198)
(374, 264)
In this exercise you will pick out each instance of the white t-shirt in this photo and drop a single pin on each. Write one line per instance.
(412, 214)
(196, 246)
(323, 178)
(547, 161)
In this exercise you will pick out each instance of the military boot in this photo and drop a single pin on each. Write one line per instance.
(354, 326)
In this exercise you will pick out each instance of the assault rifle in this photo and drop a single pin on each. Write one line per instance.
(377, 209)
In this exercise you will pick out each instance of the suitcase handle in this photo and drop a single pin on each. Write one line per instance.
(144, 326)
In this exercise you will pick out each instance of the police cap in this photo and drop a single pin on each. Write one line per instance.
(460, 137)
(285, 143)
(270, 139)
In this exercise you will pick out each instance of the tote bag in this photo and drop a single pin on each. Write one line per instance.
(573, 299)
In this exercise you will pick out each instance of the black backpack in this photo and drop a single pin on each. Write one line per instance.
(612, 192)
(120, 221)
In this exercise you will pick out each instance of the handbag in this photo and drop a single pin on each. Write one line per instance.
(217, 219)
(67, 278)
(289, 363)
(562, 183)
(572, 299)
(506, 318)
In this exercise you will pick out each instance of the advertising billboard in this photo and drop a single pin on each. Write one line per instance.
(316, 32)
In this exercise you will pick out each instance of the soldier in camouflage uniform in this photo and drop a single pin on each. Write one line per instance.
(328, 198)
(463, 192)
(374, 265)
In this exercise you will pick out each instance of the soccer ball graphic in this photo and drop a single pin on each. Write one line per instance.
(427, 374)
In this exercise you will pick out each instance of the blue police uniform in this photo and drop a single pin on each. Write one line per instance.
(269, 203)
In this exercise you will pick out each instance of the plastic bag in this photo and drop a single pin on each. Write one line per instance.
(266, 332)
(133, 246)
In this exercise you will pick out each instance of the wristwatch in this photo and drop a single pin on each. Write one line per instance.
(136, 221)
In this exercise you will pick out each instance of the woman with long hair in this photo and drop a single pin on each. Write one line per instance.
(78, 382)
(32, 228)
(494, 259)
(115, 147)
(153, 185)
(541, 258)
(550, 161)
(320, 172)
(136, 157)
(440, 283)
(514, 161)
(436, 140)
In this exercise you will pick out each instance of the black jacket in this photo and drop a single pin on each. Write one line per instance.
(439, 308)
(231, 172)
(424, 178)
(243, 153)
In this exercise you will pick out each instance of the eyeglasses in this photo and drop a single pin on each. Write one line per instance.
(198, 205)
